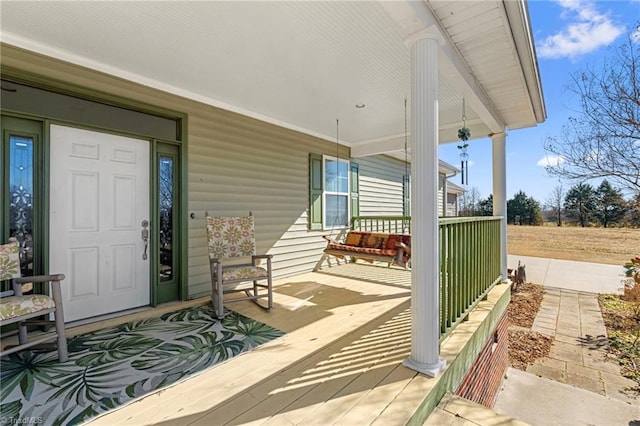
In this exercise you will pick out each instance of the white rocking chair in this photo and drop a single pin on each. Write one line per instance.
(233, 238)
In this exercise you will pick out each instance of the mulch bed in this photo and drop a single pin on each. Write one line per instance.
(526, 346)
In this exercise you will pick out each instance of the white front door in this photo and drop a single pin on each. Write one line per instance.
(99, 197)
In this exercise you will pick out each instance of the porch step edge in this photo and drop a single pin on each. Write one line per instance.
(455, 410)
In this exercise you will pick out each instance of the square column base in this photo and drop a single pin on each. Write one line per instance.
(431, 369)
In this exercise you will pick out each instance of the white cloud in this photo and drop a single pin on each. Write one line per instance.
(587, 29)
(550, 161)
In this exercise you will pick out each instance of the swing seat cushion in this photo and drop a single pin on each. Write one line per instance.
(370, 246)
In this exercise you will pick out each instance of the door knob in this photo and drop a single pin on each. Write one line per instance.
(145, 237)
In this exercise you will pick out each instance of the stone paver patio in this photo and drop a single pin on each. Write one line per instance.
(579, 355)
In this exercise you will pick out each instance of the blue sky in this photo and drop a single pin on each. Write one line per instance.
(569, 36)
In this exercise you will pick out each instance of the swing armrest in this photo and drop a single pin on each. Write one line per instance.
(405, 247)
(330, 240)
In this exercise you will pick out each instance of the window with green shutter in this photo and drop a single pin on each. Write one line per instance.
(333, 192)
(355, 190)
(315, 191)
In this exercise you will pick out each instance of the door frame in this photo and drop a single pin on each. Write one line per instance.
(43, 162)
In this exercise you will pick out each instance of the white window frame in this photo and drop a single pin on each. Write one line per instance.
(329, 223)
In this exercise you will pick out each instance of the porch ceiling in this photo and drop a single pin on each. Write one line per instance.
(302, 64)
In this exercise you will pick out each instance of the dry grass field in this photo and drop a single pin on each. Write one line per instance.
(600, 245)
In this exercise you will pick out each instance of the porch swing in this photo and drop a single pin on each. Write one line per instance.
(392, 248)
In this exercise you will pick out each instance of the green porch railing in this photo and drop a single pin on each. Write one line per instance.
(469, 260)
(391, 224)
(469, 265)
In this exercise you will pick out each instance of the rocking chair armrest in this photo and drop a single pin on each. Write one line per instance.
(256, 260)
(54, 279)
(39, 279)
(262, 256)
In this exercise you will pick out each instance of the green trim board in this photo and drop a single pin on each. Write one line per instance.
(75, 90)
(166, 290)
(183, 228)
(315, 191)
(355, 190)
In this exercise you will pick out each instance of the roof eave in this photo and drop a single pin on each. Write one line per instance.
(518, 15)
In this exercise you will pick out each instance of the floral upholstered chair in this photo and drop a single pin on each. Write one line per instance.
(231, 241)
(15, 307)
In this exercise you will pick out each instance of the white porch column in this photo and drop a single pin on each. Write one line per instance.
(425, 301)
(500, 193)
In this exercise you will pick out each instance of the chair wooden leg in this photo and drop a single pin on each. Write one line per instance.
(22, 333)
(214, 295)
(216, 289)
(215, 299)
(220, 304)
(56, 293)
(63, 354)
(219, 307)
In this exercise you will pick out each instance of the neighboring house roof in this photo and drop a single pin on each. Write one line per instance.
(302, 65)
(452, 188)
(448, 169)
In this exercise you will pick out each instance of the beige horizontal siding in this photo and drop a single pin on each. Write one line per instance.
(236, 164)
(247, 165)
(381, 185)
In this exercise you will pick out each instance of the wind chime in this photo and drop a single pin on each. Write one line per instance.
(464, 134)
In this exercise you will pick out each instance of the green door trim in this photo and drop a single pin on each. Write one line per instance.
(166, 291)
(182, 161)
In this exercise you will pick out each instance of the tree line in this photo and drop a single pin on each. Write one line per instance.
(583, 205)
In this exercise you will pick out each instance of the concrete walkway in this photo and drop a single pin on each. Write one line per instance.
(541, 401)
(571, 275)
(577, 384)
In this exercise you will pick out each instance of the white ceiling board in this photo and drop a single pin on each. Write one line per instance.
(298, 64)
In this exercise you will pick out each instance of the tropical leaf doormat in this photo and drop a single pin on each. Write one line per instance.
(111, 367)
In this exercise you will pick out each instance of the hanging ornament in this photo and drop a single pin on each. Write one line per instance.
(464, 134)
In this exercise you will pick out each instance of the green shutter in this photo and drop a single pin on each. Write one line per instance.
(315, 191)
(355, 190)
(406, 206)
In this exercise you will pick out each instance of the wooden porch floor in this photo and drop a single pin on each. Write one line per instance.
(348, 331)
